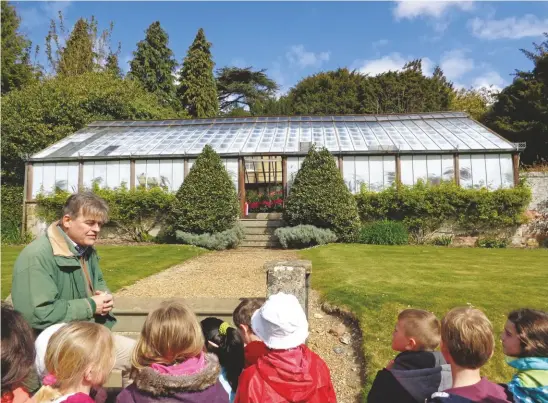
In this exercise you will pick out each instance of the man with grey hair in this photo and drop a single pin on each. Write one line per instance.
(57, 278)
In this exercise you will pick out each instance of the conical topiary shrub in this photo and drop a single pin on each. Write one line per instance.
(206, 201)
(320, 197)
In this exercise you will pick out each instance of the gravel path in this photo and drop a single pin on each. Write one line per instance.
(239, 273)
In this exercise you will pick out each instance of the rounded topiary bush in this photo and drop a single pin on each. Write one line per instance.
(320, 197)
(207, 201)
(384, 233)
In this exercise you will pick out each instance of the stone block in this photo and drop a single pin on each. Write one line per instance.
(290, 277)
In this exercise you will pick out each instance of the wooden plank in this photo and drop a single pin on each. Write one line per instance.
(515, 163)
(26, 197)
(132, 174)
(241, 186)
(398, 170)
(456, 169)
(186, 169)
(341, 165)
(80, 176)
(284, 178)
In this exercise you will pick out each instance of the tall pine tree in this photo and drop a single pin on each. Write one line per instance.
(153, 64)
(198, 89)
(78, 57)
(16, 67)
(112, 66)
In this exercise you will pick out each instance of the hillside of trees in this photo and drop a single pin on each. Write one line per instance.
(83, 82)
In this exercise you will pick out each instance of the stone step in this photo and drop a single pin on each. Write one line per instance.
(131, 312)
(259, 244)
(259, 230)
(249, 223)
(265, 216)
(260, 237)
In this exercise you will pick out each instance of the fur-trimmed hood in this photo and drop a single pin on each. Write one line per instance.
(150, 381)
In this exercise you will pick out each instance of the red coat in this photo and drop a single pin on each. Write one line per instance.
(253, 351)
(296, 375)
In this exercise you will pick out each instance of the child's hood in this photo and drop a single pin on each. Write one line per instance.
(168, 383)
(294, 374)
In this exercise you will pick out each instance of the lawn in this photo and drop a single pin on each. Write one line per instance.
(376, 282)
(121, 265)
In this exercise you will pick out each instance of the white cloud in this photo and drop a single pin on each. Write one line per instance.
(298, 55)
(34, 17)
(455, 64)
(391, 62)
(508, 28)
(491, 79)
(430, 8)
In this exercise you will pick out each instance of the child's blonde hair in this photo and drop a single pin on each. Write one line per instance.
(467, 335)
(171, 334)
(73, 350)
(421, 325)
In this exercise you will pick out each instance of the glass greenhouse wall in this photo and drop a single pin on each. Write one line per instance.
(370, 150)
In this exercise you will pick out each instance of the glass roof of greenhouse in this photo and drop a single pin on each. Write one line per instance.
(360, 134)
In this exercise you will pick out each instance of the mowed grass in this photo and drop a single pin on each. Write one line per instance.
(121, 265)
(376, 282)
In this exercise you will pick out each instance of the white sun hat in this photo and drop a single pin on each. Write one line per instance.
(281, 322)
(41, 345)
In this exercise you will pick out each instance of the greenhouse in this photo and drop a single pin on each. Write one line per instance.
(263, 154)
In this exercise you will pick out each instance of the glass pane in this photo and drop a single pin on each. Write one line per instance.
(376, 174)
(389, 170)
(479, 176)
(433, 164)
(465, 166)
(507, 170)
(420, 171)
(492, 167)
(447, 167)
(362, 172)
(406, 166)
(349, 173)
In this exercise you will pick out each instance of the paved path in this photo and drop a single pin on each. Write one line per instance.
(239, 273)
(232, 273)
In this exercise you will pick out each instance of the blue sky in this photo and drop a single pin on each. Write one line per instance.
(476, 43)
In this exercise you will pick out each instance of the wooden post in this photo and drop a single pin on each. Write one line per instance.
(27, 195)
(284, 178)
(515, 163)
(29, 180)
(132, 174)
(241, 186)
(341, 165)
(398, 170)
(456, 169)
(186, 168)
(80, 176)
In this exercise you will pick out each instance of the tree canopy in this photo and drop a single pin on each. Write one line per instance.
(198, 89)
(153, 64)
(520, 112)
(16, 67)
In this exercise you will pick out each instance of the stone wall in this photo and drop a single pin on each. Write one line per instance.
(535, 232)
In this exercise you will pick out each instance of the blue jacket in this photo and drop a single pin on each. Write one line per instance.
(530, 384)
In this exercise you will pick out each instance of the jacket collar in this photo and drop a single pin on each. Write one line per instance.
(150, 381)
(58, 242)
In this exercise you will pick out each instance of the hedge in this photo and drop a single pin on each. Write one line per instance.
(319, 197)
(133, 212)
(384, 232)
(424, 208)
(206, 202)
(12, 215)
(303, 236)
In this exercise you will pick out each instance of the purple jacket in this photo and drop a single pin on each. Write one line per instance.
(149, 386)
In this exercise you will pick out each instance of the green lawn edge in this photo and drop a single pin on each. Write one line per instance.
(122, 265)
(376, 282)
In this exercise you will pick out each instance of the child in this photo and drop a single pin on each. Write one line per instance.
(79, 356)
(525, 343)
(418, 371)
(254, 347)
(289, 371)
(226, 343)
(467, 343)
(169, 363)
(17, 355)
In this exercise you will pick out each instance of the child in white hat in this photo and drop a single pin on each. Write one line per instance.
(289, 371)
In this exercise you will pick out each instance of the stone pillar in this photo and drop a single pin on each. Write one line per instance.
(290, 277)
